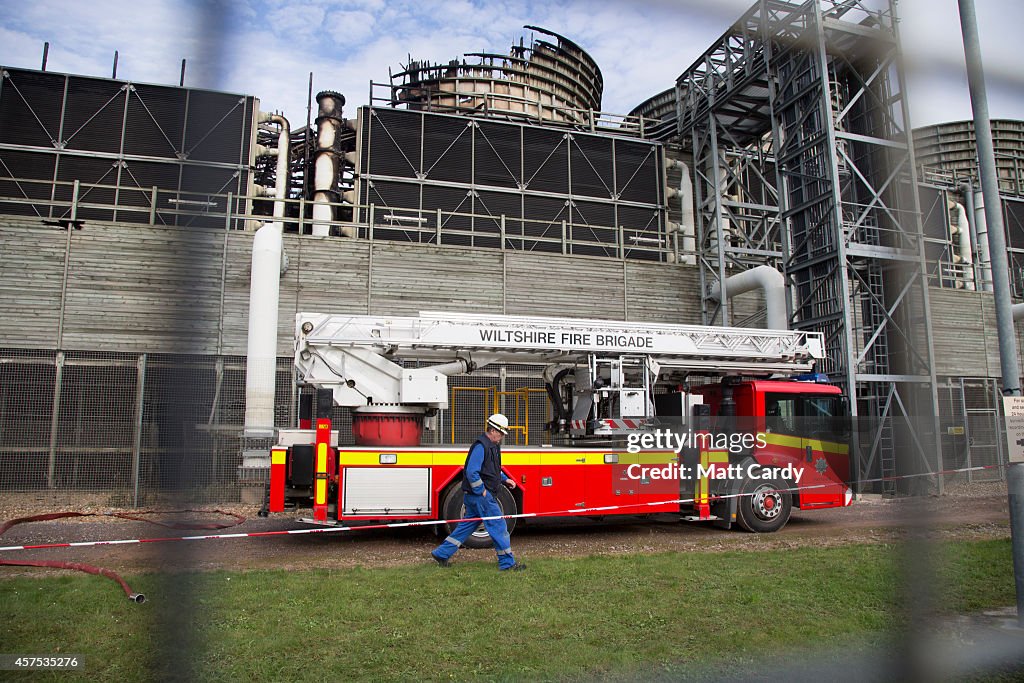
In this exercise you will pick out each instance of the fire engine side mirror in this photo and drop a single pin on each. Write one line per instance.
(843, 419)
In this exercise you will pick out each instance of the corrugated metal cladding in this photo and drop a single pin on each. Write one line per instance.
(163, 292)
(537, 177)
(178, 291)
(129, 136)
(965, 333)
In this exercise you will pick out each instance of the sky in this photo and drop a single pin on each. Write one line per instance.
(268, 48)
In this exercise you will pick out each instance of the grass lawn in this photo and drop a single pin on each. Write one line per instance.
(561, 618)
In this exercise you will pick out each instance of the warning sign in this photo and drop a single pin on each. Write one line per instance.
(1013, 408)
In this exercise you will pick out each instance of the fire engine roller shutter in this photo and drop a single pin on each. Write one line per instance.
(397, 492)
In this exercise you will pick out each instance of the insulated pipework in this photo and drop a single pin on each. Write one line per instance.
(981, 231)
(283, 154)
(770, 281)
(960, 237)
(328, 160)
(267, 249)
(686, 226)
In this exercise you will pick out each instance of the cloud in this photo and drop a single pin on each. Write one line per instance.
(349, 28)
(267, 48)
(302, 21)
(151, 38)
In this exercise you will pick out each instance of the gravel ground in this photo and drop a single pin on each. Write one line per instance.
(976, 511)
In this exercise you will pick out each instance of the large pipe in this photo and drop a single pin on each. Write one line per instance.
(764, 278)
(981, 230)
(960, 234)
(687, 226)
(283, 153)
(264, 286)
(967, 191)
(329, 124)
(261, 364)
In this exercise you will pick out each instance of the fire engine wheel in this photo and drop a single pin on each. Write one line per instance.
(764, 506)
(455, 509)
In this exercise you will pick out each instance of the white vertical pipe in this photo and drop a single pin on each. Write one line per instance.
(961, 239)
(261, 365)
(687, 226)
(264, 286)
(981, 228)
(284, 142)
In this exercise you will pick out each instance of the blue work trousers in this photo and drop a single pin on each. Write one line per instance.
(480, 506)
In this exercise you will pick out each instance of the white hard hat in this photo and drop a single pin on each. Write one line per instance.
(499, 422)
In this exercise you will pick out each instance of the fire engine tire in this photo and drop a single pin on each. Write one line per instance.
(764, 505)
(454, 509)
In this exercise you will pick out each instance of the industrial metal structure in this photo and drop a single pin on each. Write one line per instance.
(773, 185)
(552, 82)
(797, 125)
(948, 172)
(145, 153)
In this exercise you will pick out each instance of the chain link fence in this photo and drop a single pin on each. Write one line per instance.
(134, 428)
(129, 430)
(971, 428)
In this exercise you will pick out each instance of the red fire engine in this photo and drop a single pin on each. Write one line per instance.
(654, 414)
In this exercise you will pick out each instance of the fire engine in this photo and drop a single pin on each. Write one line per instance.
(614, 389)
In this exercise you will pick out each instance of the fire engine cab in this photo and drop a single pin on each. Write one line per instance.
(705, 422)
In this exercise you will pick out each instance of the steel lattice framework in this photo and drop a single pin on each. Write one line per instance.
(798, 128)
(122, 140)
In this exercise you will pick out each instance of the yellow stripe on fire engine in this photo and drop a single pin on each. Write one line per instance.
(656, 457)
(366, 458)
(321, 492)
(321, 458)
(707, 458)
(539, 456)
(278, 457)
(798, 442)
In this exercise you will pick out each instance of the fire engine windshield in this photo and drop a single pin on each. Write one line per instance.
(808, 416)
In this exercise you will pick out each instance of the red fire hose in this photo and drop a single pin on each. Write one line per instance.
(100, 571)
(88, 568)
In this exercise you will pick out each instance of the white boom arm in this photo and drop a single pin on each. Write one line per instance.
(356, 355)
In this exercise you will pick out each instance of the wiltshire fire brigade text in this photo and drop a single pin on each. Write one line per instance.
(583, 339)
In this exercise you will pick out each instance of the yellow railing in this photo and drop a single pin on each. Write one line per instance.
(516, 408)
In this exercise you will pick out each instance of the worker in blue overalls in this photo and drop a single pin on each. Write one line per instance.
(480, 482)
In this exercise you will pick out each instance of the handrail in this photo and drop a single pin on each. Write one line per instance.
(155, 206)
(506, 105)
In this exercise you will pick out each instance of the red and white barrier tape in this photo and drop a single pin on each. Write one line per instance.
(434, 522)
